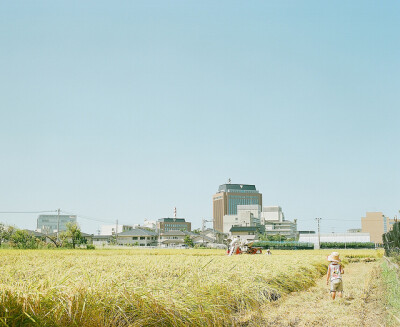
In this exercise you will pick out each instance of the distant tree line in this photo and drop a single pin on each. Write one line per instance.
(347, 245)
(292, 245)
(286, 245)
(13, 237)
(391, 241)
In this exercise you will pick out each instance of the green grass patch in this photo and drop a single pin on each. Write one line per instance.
(391, 283)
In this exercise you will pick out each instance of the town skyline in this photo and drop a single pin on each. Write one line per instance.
(89, 222)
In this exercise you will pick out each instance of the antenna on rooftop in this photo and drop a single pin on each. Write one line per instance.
(229, 181)
(174, 212)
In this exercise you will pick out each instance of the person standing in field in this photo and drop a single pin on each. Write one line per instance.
(334, 275)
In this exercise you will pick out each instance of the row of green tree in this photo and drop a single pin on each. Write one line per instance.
(292, 245)
(286, 245)
(391, 241)
(23, 239)
(347, 245)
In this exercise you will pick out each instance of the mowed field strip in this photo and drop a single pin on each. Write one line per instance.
(167, 287)
(361, 304)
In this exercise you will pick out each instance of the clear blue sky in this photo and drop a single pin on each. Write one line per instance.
(125, 109)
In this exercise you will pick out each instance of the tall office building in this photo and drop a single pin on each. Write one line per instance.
(228, 197)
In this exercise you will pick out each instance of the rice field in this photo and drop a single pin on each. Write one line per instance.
(150, 287)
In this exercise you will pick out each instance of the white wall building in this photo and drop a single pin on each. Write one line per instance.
(272, 213)
(335, 237)
(243, 218)
(271, 217)
(284, 228)
(110, 229)
(255, 209)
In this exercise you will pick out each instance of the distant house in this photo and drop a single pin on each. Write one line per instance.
(138, 237)
(102, 240)
(202, 240)
(218, 237)
(173, 238)
(87, 237)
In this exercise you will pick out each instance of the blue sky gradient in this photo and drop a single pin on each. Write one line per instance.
(123, 110)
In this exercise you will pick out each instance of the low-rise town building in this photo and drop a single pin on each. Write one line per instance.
(247, 233)
(138, 237)
(172, 238)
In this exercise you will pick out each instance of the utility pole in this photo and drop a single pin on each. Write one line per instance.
(319, 237)
(58, 225)
(116, 232)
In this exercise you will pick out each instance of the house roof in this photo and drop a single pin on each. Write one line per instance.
(138, 232)
(98, 237)
(175, 233)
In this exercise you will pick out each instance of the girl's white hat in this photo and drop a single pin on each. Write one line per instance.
(334, 256)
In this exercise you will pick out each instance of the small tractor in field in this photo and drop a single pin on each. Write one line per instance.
(238, 246)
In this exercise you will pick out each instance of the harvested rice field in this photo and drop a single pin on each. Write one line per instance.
(184, 288)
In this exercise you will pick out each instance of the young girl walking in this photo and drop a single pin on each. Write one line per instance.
(334, 275)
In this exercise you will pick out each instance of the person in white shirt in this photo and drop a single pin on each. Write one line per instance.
(334, 275)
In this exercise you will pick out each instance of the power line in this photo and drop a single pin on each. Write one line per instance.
(43, 211)
(89, 218)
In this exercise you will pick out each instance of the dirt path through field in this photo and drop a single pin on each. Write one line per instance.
(360, 306)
